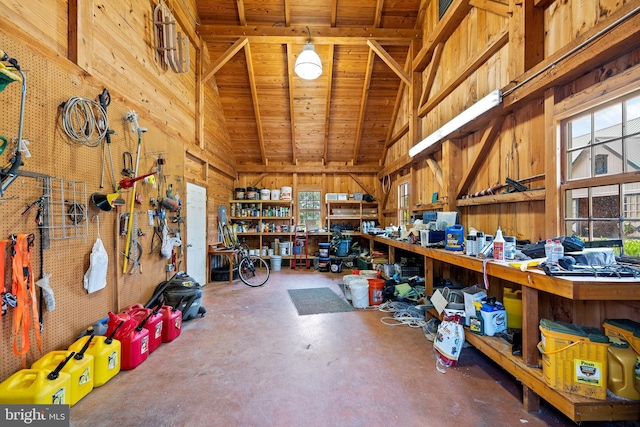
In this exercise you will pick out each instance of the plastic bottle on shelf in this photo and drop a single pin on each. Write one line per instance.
(558, 252)
(548, 249)
(498, 246)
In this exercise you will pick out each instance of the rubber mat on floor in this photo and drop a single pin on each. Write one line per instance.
(317, 301)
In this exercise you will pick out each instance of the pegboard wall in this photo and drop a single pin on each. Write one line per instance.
(75, 172)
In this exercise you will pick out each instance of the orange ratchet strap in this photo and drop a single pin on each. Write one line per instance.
(23, 287)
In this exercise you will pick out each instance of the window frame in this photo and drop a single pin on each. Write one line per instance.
(300, 210)
(404, 210)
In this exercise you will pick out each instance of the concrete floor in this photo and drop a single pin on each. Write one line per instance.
(253, 361)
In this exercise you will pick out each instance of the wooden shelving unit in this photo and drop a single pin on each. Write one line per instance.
(351, 212)
(257, 214)
(526, 368)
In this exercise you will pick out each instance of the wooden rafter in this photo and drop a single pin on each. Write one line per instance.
(395, 138)
(290, 65)
(256, 104)
(447, 25)
(388, 59)
(488, 137)
(492, 6)
(394, 115)
(299, 34)
(241, 15)
(224, 58)
(363, 105)
(431, 73)
(334, 12)
(364, 187)
(287, 13)
(327, 112)
(495, 44)
(302, 168)
(378, 17)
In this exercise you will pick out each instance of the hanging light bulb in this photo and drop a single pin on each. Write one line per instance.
(308, 65)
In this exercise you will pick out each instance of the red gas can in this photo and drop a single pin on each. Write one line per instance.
(171, 323)
(153, 324)
(134, 341)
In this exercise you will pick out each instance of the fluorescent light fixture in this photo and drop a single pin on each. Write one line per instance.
(308, 65)
(468, 115)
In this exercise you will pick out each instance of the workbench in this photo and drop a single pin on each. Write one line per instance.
(527, 367)
(230, 253)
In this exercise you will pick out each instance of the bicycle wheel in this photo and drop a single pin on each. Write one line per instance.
(253, 270)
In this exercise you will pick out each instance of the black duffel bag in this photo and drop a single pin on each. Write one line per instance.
(536, 250)
(181, 292)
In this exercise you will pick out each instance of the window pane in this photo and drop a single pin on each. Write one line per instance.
(632, 147)
(633, 113)
(579, 164)
(579, 132)
(577, 203)
(577, 228)
(608, 158)
(605, 202)
(608, 123)
(606, 230)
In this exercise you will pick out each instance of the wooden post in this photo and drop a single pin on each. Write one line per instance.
(80, 37)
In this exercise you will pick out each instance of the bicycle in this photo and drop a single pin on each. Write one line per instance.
(253, 270)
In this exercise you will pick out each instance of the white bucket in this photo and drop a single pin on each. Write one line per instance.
(276, 262)
(347, 279)
(285, 193)
(359, 293)
(285, 248)
(265, 194)
(275, 194)
(369, 274)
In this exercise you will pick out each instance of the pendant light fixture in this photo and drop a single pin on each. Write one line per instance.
(308, 65)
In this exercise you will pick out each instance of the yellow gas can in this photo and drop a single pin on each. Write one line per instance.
(106, 357)
(33, 386)
(80, 370)
(622, 369)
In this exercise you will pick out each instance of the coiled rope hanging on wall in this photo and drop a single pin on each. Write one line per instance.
(84, 121)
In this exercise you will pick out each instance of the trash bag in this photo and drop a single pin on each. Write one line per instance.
(96, 276)
(448, 343)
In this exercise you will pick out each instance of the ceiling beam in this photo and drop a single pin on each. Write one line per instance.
(492, 6)
(334, 12)
(290, 65)
(311, 169)
(363, 106)
(494, 45)
(299, 34)
(388, 59)
(327, 110)
(435, 169)
(378, 16)
(224, 58)
(241, 14)
(256, 104)
(287, 13)
(361, 184)
(447, 25)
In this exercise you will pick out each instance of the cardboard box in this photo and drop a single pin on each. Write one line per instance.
(471, 294)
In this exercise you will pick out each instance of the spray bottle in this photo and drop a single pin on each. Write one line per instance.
(498, 246)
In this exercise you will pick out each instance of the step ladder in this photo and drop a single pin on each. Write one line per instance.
(300, 256)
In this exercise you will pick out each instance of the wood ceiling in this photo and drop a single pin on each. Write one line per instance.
(274, 117)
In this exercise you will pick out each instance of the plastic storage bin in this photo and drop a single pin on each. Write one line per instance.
(574, 358)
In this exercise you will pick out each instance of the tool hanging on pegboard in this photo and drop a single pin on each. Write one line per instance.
(9, 172)
(132, 117)
(105, 99)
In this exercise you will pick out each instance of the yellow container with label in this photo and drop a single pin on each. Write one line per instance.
(513, 304)
(574, 358)
(33, 387)
(622, 369)
(80, 371)
(106, 357)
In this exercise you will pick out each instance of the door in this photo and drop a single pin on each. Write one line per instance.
(197, 232)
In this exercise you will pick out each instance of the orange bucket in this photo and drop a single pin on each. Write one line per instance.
(375, 291)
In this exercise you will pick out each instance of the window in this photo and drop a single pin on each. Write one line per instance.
(443, 6)
(403, 204)
(309, 208)
(597, 144)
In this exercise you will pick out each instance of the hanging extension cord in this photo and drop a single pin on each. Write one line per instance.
(84, 121)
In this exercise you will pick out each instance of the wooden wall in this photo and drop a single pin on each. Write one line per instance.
(121, 59)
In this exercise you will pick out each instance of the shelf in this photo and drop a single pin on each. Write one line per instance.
(577, 408)
(523, 196)
(266, 202)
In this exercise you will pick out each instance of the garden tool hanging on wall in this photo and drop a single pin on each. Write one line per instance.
(9, 172)
(132, 117)
(105, 99)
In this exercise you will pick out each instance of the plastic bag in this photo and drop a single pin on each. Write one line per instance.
(96, 276)
(168, 243)
(448, 342)
(47, 292)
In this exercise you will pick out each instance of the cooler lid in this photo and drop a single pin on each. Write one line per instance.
(626, 324)
(593, 334)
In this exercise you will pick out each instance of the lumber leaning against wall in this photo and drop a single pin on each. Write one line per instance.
(122, 60)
